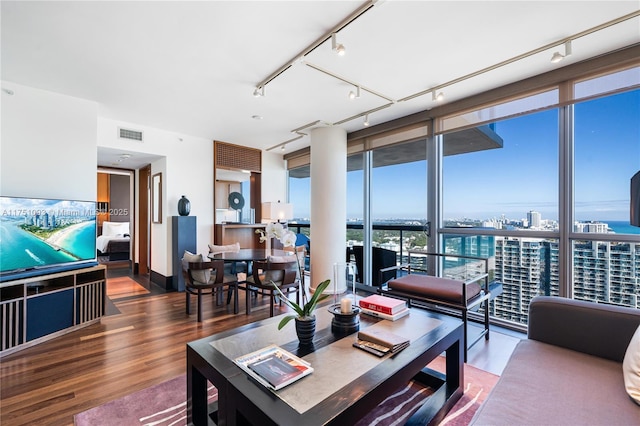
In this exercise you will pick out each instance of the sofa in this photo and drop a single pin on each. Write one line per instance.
(569, 371)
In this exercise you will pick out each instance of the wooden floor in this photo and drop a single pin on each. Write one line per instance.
(142, 343)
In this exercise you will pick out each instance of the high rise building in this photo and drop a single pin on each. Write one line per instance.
(535, 219)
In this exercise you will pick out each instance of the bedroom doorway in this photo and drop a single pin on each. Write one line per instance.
(115, 217)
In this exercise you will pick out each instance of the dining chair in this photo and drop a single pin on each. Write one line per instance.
(281, 270)
(230, 268)
(205, 278)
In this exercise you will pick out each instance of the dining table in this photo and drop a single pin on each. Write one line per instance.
(249, 254)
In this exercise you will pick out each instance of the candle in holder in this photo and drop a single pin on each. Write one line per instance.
(345, 305)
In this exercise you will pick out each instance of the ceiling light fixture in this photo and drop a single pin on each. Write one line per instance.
(282, 147)
(259, 92)
(354, 95)
(437, 98)
(557, 56)
(366, 121)
(337, 47)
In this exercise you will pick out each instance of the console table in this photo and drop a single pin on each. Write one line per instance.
(39, 308)
(346, 383)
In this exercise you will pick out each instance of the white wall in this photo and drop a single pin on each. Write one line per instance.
(48, 148)
(48, 145)
(274, 178)
(186, 164)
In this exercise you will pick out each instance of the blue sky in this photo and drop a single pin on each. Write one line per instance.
(519, 177)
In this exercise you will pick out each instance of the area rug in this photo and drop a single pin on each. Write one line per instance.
(164, 404)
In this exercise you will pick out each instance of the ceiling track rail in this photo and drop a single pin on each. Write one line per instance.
(362, 10)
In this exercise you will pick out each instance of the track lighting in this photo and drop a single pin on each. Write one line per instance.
(354, 95)
(437, 98)
(337, 47)
(557, 56)
(259, 92)
(366, 120)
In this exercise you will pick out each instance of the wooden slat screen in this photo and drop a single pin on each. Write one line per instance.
(231, 156)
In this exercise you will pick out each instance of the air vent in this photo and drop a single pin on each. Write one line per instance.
(134, 135)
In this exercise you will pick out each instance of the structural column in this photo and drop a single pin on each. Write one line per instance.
(328, 203)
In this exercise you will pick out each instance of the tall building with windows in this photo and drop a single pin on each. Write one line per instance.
(522, 268)
(607, 272)
(534, 218)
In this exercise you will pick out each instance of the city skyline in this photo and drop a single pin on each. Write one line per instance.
(524, 171)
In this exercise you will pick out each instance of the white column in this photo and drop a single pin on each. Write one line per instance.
(328, 203)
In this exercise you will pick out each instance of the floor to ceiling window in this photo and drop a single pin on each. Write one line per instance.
(509, 185)
(605, 247)
(538, 184)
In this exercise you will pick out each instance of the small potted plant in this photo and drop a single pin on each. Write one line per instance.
(304, 316)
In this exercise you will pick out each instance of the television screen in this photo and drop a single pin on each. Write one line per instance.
(39, 233)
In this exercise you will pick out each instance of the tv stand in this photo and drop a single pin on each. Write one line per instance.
(39, 308)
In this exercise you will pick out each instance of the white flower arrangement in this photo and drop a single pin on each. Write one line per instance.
(278, 231)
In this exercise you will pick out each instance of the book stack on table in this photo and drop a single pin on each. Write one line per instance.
(384, 307)
(380, 342)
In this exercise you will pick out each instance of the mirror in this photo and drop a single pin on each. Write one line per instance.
(156, 198)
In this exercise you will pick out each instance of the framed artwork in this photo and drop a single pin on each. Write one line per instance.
(156, 198)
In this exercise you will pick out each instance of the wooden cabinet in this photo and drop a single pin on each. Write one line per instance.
(39, 308)
(244, 234)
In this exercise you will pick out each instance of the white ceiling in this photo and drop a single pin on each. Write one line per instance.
(191, 67)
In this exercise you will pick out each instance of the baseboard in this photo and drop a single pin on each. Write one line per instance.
(165, 283)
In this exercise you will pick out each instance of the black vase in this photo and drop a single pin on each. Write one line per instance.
(184, 206)
(306, 330)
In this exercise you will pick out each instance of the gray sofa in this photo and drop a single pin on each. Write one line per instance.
(568, 371)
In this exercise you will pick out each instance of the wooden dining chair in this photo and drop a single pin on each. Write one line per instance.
(282, 271)
(206, 278)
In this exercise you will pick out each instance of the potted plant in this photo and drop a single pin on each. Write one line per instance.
(304, 316)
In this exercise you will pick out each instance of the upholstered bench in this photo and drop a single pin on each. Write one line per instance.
(447, 293)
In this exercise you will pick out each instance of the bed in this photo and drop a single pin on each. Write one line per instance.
(115, 241)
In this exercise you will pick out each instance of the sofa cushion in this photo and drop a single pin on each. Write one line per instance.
(631, 367)
(544, 384)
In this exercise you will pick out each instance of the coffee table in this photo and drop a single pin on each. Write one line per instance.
(346, 384)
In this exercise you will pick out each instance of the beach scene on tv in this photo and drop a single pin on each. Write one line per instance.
(37, 232)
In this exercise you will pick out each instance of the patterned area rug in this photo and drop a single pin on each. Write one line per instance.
(164, 404)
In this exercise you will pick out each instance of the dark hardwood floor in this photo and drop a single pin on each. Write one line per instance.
(140, 344)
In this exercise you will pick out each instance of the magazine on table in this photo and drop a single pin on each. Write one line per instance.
(274, 367)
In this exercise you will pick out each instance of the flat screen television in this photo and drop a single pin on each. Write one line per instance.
(635, 200)
(39, 236)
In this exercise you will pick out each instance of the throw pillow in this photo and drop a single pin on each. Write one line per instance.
(631, 367)
(229, 248)
(277, 275)
(201, 276)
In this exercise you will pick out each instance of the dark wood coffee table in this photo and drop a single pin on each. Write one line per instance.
(347, 383)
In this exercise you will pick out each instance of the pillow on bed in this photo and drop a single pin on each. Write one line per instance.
(111, 229)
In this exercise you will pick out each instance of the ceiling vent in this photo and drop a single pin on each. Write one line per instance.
(133, 135)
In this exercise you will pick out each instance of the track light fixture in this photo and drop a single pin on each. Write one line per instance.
(366, 120)
(258, 92)
(337, 47)
(557, 56)
(436, 98)
(354, 95)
